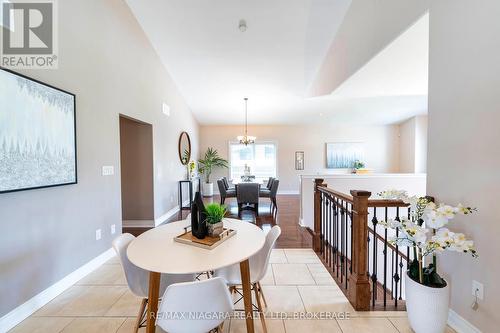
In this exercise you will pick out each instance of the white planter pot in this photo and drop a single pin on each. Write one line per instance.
(427, 307)
(208, 189)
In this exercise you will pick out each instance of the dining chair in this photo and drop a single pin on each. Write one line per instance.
(271, 194)
(226, 184)
(138, 278)
(224, 192)
(258, 267)
(248, 194)
(207, 304)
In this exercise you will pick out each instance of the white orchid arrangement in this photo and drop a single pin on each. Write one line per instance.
(425, 232)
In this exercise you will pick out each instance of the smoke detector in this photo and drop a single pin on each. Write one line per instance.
(243, 25)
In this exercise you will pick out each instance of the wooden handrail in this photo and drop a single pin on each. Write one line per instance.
(337, 194)
(386, 203)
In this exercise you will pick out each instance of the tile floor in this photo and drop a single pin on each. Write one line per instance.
(296, 281)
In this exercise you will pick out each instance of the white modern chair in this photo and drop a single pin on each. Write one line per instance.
(258, 268)
(195, 307)
(138, 278)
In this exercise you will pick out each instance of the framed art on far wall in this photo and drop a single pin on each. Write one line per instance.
(342, 155)
(299, 160)
(37, 134)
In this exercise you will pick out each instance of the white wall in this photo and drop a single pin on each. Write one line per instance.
(464, 151)
(381, 147)
(413, 145)
(107, 61)
(407, 146)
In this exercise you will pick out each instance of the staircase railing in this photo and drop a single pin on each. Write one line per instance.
(355, 248)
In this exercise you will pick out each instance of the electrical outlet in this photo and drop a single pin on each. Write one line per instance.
(108, 170)
(98, 234)
(113, 229)
(171, 199)
(478, 288)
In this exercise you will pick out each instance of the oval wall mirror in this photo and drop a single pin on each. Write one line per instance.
(184, 148)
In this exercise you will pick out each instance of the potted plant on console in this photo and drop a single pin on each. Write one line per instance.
(215, 214)
(424, 232)
(206, 165)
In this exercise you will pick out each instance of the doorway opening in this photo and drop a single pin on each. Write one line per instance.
(136, 158)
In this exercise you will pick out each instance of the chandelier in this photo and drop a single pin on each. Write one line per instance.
(246, 139)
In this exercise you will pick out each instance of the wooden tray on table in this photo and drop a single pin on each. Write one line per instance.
(207, 242)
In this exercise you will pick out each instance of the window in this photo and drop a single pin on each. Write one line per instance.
(260, 157)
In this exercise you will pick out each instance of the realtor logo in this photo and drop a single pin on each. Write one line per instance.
(29, 34)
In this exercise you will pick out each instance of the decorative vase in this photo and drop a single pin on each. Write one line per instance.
(208, 189)
(215, 229)
(198, 217)
(427, 307)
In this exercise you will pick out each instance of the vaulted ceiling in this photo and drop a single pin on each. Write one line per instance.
(278, 59)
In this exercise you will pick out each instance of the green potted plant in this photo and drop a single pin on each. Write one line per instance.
(357, 165)
(215, 214)
(206, 165)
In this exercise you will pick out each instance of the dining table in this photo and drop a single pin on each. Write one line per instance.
(157, 252)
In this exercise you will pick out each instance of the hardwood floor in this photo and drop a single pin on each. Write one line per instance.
(292, 235)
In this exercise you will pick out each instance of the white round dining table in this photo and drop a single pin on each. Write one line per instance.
(156, 251)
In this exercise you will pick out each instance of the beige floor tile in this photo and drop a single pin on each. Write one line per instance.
(317, 268)
(367, 325)
(105, 275)
(283, 299)
(292, 274)
(90, 301)
(380, 314)
(277, 257)
(324, 298)
(42, 325)
(57, 304)
(113, 261)
(323, 279)
(301, 326)
(129, 324)
(269, 277)
(94, 325)
(127, 306)
(301, 256)
(403, 325)
(273, 326)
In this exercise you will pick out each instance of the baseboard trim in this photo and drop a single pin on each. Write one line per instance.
(166, 216)
(288, 192)
(26, 309)
(459, 324)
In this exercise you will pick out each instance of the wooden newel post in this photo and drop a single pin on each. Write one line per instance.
(359, 284)
(317, 214)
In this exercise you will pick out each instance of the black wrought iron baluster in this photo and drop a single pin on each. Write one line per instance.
(332, 221)
(328, 240)
(375, 256)
(401, 275)
(352, 231)
(408, 248)
(342, 232)
(346, 244)
(322, 226)
(385, 258)
(397, 277)
(336, 225)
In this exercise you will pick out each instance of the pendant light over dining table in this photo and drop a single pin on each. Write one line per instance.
(246, 139)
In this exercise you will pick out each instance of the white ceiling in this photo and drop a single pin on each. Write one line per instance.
(275, 60)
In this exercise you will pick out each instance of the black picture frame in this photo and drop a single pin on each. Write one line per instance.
(73, 96)
(299, 160)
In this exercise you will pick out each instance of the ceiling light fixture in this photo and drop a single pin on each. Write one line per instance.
(245, 139)
(243, 25)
